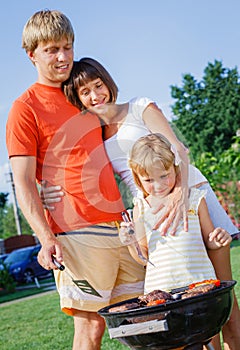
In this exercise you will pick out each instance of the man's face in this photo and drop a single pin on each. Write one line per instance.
(53, 61)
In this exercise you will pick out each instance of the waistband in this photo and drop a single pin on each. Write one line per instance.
(103, 229)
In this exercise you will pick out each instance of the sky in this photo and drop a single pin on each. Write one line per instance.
(147, 46)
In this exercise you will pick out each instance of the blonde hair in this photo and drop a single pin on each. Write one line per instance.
(45, 26)
(152, 150)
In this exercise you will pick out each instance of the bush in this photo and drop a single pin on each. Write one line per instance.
(223, 175)
(7, 283)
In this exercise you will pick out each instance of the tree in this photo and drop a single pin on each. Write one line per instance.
(3, 199)
(8, 223)
(207, 112)
(223, 174)
(3, 202)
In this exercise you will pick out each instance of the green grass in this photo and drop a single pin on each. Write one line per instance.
(39, 324)
(235, 262)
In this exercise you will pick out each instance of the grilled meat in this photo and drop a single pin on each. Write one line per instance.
(154, 295)
(203, 288)
(124, 307)
(159, 295)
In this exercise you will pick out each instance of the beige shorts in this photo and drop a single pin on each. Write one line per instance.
(95, 255)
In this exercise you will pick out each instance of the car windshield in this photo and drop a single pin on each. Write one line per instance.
(16, 256)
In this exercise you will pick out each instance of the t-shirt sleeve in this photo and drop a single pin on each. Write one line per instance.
(21, 131)
(140, 104)
(137, 107)
(196, 196)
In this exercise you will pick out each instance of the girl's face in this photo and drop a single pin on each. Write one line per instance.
(94, 94)
(160, 182)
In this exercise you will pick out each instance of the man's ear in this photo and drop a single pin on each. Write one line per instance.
(31, 56)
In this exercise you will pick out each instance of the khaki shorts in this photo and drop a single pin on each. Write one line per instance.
(95, 255)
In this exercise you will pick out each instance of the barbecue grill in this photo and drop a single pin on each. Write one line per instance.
(188, 323)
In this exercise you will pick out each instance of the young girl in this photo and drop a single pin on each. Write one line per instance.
(155, 169)
(91, 87)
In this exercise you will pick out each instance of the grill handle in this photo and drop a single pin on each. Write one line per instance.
(138, 328)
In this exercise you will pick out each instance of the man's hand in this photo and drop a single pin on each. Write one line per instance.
(51, 247)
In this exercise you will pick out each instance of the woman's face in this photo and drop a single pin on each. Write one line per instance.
(94, 94)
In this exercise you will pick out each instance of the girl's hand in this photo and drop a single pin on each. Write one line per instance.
(220, 237)
(176, 209)
(126, 233)
(50, 195)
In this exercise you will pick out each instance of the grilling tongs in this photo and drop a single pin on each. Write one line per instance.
(137, 246)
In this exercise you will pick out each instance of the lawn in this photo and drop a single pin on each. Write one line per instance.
(38, 323)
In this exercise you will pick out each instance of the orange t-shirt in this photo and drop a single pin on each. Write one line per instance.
(69, 150)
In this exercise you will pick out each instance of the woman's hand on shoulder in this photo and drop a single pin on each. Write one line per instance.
(176, 209)
(50, 195)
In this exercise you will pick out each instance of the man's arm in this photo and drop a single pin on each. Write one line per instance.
(24, 174)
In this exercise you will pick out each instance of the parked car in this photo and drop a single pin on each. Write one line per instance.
(22, 264)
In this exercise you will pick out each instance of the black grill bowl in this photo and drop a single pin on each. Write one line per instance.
(175, 324)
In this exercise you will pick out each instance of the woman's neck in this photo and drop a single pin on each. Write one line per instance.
(114, 113)
(113, 118)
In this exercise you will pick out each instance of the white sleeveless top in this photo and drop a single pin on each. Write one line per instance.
(119, 145)
(181, 259)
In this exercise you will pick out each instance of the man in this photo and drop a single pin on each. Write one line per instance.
(47, 138)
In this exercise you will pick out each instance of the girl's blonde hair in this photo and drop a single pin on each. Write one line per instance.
(153, 150)
(45, 26)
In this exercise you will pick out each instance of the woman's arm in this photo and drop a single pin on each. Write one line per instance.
(177, 208)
